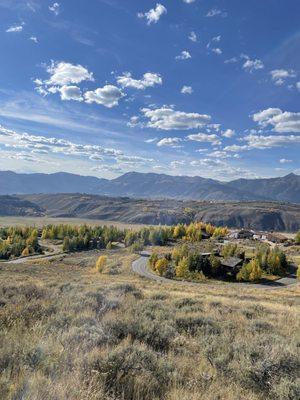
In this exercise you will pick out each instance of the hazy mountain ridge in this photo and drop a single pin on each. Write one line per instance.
(151, 185)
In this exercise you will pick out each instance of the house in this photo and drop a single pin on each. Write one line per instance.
(277, 238)
(231, 264)
(241, 234)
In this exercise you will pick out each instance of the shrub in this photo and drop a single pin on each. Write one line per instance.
(135, 372)
(101, 263)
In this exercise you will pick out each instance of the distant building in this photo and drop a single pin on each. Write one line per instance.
(277, 238)
(241, 234)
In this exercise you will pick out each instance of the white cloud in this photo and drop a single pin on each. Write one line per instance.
(217, 50)
(215, 12)
(27, 144)
(170, 142)
(177, 164)
(252, 65)
(187, 90)
(193, 37)
(262, 142)
(166, 118)
(55, 8)
(153, 15)
(204, 138)
(15, 28)
(70, 93)
(280, 75)
(298, 86)
(216, 38)
(151, 140)
(149, 80)
(34, 39)
(184, 55)
(188, 1)
(229, 133)
(231, 60)
(107, 96)
(282, 122)
(285, 161)
(63, 73)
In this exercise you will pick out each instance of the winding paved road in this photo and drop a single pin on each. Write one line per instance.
(140, 267)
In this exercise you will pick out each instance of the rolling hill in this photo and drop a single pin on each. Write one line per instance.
(257, 215)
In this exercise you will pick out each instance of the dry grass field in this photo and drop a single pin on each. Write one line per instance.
(42, 221)
(69, 332)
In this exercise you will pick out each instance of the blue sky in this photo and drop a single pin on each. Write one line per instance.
(183, 87)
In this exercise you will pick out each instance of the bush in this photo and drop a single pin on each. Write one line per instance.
(135, 372)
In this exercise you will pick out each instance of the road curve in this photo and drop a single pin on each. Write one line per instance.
(140, 267)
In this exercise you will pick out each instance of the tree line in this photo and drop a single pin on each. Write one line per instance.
(85, 237)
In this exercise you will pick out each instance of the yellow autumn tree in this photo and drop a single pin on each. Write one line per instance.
(161, 266)
(101, 263)
(182, 269)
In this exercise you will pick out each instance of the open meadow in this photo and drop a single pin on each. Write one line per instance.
(70, 332)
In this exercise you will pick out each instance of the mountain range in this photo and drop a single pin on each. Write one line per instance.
(155, 186)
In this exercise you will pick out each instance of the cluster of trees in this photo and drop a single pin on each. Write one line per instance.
(83, 237)
(195, 231)
(297, 238)
(187, 263)
(16, 242)
(184, 263)
(266, 261)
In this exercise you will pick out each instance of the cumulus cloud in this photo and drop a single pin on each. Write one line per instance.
(186, 90)
(205, 137)
(298, 86)
(279, 76)
(55, 8)
(193, 37)
(70, 93)
(15, 28)
(64, 73)
(282, 122)
(153, 16)
(217, 50)
(188, 1)
(252, 65)
(170, 142)
(184, 55)
(108, 96)
(229, 133)
(34, 39)
(166, 118)
(149, 79)
(261, 142)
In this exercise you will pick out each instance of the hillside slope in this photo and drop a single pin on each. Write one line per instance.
(257, 215)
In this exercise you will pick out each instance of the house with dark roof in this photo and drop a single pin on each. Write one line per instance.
(231, 264)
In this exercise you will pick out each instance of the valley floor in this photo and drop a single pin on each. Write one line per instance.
(68, 332)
